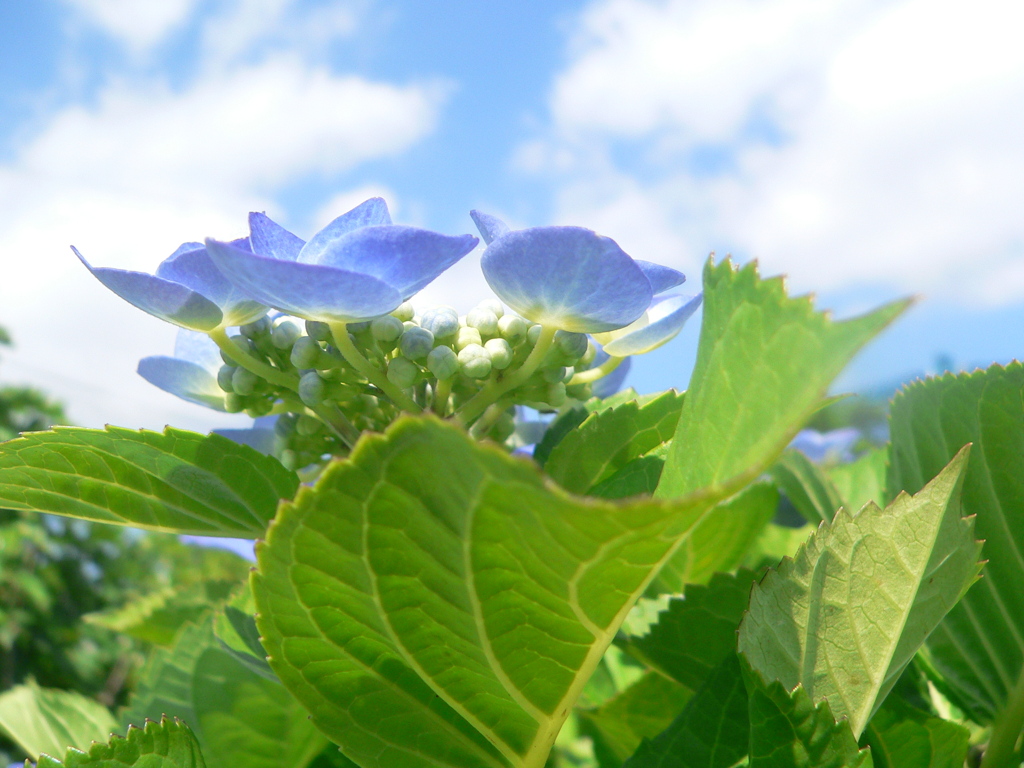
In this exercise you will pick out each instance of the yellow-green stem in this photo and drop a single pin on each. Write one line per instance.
(373, 375)
(441, 394)
(332, 416)
(250, 363)
(1001, 750)
(491, 415)
(494, 389)
(589, 377)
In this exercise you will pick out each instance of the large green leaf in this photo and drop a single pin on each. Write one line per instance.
(167, 744)
(611, 438)
(764, 364)
(863, 480)
(235, 629)
(901, 736)
(787, 730)
(172, 481)
(695, 634)
(978, 649)
(435, 602)
(721, 541)
(50, 720)
(712, 732)
(642, 711)
(846, 617)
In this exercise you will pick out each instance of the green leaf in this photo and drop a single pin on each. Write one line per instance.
(165, 684)
(247, 721)
(787, 730)
(572, 417)
(863, 480)
(764, 364)
(611, 438)
(167, 744)
(50, 720)
(173, 481)
(712, 732)
(978, 649)
(807, 486)
(452, 587)
(240, 718)
(158, 617)
(901, 736)
(638, 478)
(721, 541)
(846, 617)
(695, 634)
(642, 711)
(235, 629)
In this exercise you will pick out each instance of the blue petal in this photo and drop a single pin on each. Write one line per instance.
(271, 239)
(194, 269)
(612, 383)
(406, 258)
(309, 291)
(491, 227)
(567, 277)
(184, 379)
(666, 318)
(372, 213)
(161, 298)
(198, 348)
(661, 278)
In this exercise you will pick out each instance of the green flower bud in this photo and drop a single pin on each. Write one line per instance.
(441, 321)
(475, 362)
(306, 353)
(285, 334)
(259, 408)
(416, 342)
(404, 312)
(256, 328)
(318, 331)
(358, 327)
(443, 362)
(312, 389)
(308, 425)
(493, 306)
(503, 428)
(224, 377)
(512, 328)
(402, 372)
(533, 334)
(243, 382)
(386, 328)
(500, 352)
(466, 337)
(555, 394)
(241, 343)
(484, 321)
(589, 355)
(233, 403)
(572, 345)
(285, 425)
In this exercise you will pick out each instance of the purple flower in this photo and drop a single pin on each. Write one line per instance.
(187, 289)
(661, 323)
(569, 278)
(191, 373)
(358, 267)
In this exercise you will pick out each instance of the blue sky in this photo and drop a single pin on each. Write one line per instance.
(868, 149)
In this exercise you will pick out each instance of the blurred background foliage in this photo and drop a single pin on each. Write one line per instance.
(53, 572)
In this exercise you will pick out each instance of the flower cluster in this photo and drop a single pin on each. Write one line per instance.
(322, 334)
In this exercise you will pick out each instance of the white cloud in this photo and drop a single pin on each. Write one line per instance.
(138, 24)
(144, 168)
(898, 162)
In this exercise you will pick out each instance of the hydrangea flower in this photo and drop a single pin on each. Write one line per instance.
(191, 373)
(358, 267)
(569, 278)
(661, 323)
(187, 289)
(612, 383)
